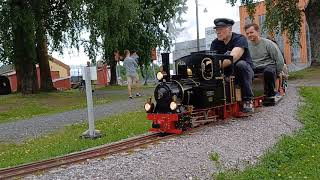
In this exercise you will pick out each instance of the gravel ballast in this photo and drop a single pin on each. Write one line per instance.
(239, 142)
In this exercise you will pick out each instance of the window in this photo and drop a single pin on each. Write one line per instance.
(248, 20)
(279, 40)
(308, 42)
(262, 19)
(295, 52)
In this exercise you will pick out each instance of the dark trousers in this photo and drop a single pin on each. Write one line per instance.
(244, 76)
(269, 76)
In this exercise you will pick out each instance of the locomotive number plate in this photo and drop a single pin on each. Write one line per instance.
(210, 93)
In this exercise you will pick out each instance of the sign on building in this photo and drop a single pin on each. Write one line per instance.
(210, 36)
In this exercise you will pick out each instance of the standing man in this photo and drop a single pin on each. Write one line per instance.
(116, 55)
(135, 56)
(131, 70)
(267, 58)
(236, 45)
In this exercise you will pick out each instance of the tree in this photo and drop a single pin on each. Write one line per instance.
(286, 16)
(25, 29)
(312, 13)
(53, 19)
(39, 10)
(154, 27)
(17, 41)
(108, 24)
(129, 24)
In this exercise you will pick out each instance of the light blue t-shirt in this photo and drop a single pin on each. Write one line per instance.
(130, 65)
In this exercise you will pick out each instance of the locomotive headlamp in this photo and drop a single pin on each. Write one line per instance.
(159, 76)
(189, 72)
(148, 106)
(173, 105)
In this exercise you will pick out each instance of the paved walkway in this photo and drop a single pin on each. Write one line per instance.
(37, 126)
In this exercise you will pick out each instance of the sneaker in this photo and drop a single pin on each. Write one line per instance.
(247, 107)
(138, 95)
(270, 98)
(130, 97)
(269, 101)
(278, 94)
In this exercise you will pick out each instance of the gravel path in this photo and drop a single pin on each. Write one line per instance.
(238, 143)
(40, 125)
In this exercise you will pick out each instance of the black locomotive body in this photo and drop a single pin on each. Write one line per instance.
(200, 92)
(198, 86)
(197, 83)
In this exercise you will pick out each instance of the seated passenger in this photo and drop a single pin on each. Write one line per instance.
(235, 45)
(283, 75)
(267, 58)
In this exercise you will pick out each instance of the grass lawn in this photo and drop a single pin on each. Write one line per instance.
(67, 140)
(15, 107)
(294, 157)
(308, 73)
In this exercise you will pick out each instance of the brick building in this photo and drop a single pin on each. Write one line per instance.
(297, 57)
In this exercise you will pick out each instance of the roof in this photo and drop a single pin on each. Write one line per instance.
(4, 69)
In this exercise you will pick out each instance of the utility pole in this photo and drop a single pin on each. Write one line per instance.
(197, 16)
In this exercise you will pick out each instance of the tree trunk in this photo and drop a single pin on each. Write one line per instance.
(113, 71)
(313, 15)
(146, 76)
(43, 59)
(25, 69)
(24, 48)
(42, 47)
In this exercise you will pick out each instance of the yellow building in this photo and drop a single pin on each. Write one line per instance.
(58, 66)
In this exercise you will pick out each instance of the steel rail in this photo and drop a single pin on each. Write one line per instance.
(80, 156)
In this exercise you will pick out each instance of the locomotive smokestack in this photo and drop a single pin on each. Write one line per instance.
(165, 64)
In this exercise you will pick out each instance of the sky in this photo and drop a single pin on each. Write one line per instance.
(215, 9)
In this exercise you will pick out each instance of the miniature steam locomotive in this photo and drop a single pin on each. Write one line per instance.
(199, 93)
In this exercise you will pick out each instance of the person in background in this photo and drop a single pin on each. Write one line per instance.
(131, 66)
(236, 45)
(267, 58)
(135, 56)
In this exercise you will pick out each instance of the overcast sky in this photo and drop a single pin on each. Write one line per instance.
(215, 9)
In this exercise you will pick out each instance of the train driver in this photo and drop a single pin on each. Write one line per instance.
(267, 59)
(237, 46)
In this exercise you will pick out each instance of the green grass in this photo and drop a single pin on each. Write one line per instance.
(67, 140)
(15, 107)
(294, 157)
(305, 73)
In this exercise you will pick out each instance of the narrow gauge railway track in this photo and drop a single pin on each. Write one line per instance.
(80, 156)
